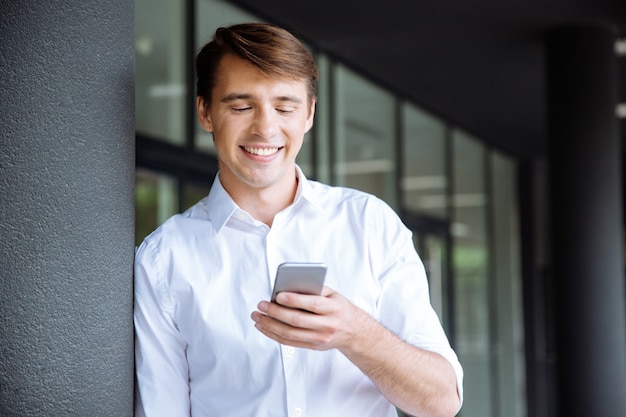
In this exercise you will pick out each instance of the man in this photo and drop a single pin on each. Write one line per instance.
(208, 343)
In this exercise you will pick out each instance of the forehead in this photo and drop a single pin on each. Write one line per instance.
(236, 75)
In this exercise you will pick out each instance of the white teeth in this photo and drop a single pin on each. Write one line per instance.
(261, 151)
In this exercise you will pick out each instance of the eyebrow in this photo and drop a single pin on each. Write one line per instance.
(245, 96)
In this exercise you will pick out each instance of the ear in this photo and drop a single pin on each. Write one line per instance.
(204, 118)
(309, 120)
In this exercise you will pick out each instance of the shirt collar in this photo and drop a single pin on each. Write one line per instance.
(221, 206)
(306, 192)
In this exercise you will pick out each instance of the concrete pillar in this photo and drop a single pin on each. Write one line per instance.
(66, 207)
(587, 231)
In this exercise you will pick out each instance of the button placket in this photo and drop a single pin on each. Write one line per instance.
(293, 381)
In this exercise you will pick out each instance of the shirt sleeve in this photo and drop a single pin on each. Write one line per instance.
(161, 365)
(404, 304)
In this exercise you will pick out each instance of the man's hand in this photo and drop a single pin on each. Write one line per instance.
(417, 381)
(309, 321)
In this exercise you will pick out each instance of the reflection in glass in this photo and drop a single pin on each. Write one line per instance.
(321, 126)
(160, 90)
(156, 199)
(305, 156)
(508, 290)
(432, 251)
(435, 264)
(192, 193)
(470, 263)
(424, 182)
(365, 136)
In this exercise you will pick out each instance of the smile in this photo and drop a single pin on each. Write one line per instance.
(260, 151)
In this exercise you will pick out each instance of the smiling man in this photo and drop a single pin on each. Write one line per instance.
(208, 341)
(258, 123)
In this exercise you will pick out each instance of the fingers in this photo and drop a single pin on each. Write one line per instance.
(289, 335)
(293, 311)
(299, 320)
(327, 292)
(310, 303)
(291, 327)
(313, 303)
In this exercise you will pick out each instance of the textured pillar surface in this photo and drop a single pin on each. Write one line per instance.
(586, 199)
(66, 207)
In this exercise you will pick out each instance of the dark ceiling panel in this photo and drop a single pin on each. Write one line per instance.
(478, 64)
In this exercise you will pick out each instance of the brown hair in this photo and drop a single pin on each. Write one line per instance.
(271, 49)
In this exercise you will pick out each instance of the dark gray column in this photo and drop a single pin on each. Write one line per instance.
(586, 199)
(66, 207)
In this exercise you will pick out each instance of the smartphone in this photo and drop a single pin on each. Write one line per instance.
(300, 277)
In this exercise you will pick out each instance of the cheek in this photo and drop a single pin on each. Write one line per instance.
(224, 132)
(296, 141)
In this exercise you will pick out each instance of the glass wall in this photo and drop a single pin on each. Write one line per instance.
(433, 251)
(424, 181)
(156, 199)
(470, 255)
(364, 136)
(457, 195)
(506, 289)
(424, 192)
(160, 84)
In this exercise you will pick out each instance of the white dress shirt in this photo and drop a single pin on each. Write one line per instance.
(200, 275)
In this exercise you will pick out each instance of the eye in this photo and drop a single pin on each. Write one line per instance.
(241, 109)
(285, 110)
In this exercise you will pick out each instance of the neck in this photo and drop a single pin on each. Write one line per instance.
(264, 206)
(263, 203)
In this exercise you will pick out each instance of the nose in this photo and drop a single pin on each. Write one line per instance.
(265, 123)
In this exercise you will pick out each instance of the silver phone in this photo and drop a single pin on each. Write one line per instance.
(300, 277)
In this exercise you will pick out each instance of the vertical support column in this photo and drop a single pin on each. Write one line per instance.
(66, 208)
(587, 230)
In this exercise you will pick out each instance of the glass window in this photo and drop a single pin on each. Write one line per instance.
(424, 183)
(434, 256)
(507, 287)
(432, 251)
(470, 263)
(321, 127)
(307, 155)
(156, 199)
(364, 136)
(160, 63)
(192, 193)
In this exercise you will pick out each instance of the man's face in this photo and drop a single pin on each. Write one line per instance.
(258, 124)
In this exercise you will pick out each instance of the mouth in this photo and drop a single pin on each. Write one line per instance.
(261, 151)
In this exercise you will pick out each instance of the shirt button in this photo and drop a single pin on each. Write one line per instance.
(290, 351)
(297, 411)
